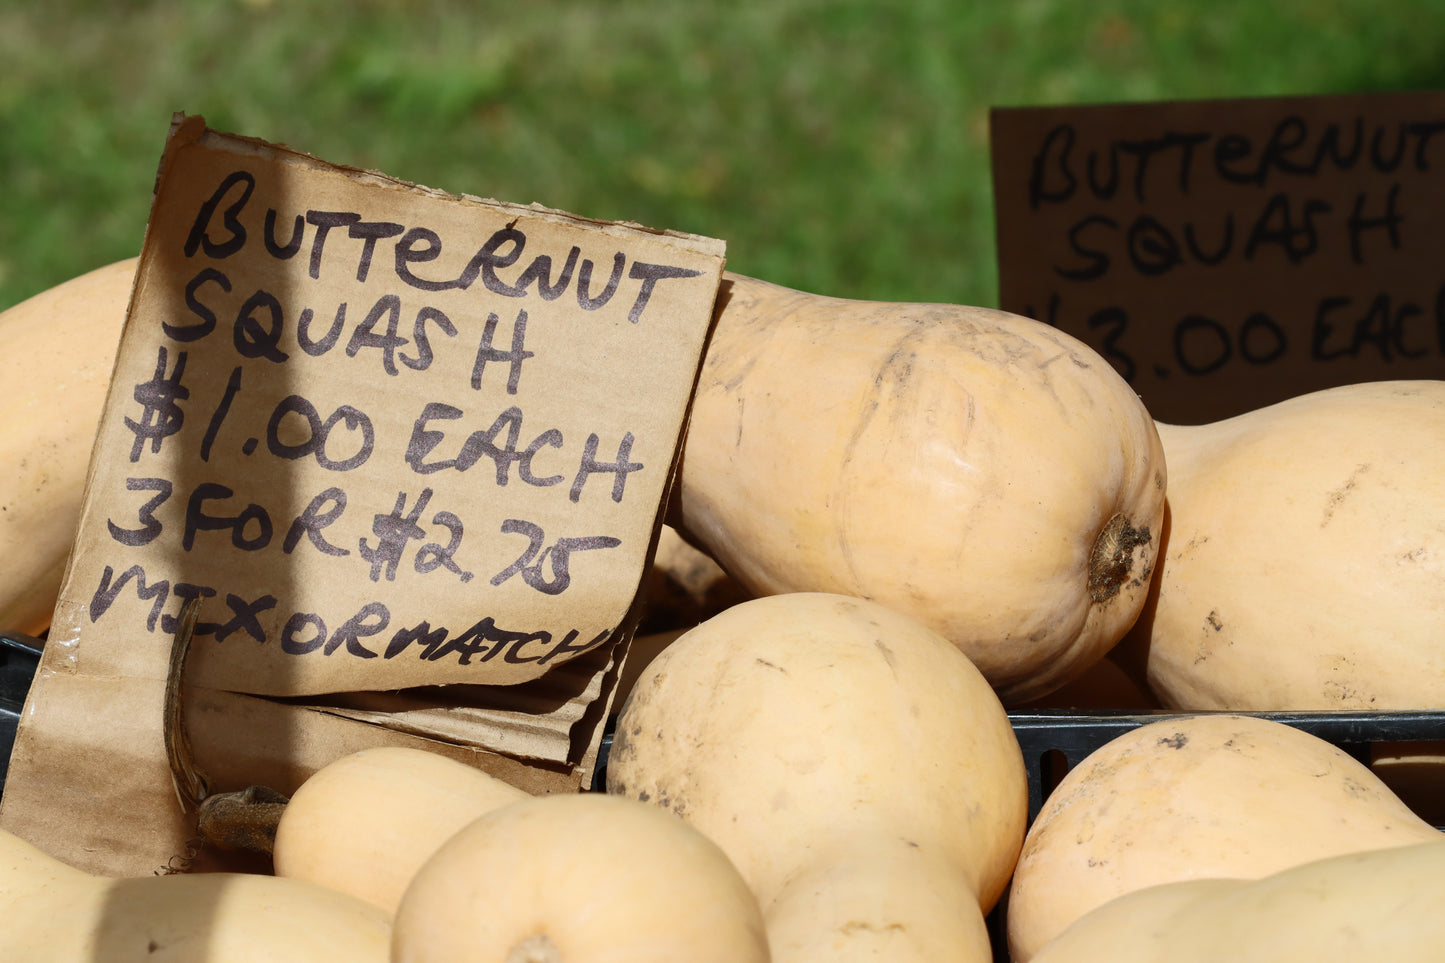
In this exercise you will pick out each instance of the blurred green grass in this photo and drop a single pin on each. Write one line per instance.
(838, 147)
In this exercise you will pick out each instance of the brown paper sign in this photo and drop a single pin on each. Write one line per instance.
(392, 437)
(409, 449)
(1228, 254)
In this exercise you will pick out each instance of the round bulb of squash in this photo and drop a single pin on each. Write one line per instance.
(854, 765)
(366, 822)
(578, 878)
(982, 472)
(1194, 797)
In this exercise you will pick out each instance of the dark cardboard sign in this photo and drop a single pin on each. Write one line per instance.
(1224, 255)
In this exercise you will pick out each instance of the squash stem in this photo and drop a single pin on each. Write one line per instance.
(1112, 556)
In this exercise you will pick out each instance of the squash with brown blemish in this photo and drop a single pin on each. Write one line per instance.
(854, 765)
(1303, 564)
(1195, 797)
(982, 472)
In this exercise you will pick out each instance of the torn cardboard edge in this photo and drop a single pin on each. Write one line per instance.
(193, 129)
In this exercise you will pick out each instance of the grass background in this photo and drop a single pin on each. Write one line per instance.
(840, 147)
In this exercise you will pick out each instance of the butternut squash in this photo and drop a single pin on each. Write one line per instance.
(54, 913)
(853, 764)
(60, 348)
(1377, 905)
(982, 472)
(1215, 795)
(1304, 566)
(366, 823)
(578, 878)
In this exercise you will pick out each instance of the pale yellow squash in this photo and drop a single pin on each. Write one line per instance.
(877, 897)
(366, 823)
(53, 913)
(854, 765)
(578, 878)
(1382, 905)
(1206, 796)
(60, 348)
(982, 472)
(1304, 566)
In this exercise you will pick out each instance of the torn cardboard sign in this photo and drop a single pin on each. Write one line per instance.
(395, 441)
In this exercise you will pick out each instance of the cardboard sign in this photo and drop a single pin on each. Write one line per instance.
(390, 437)
(410, 450)
(1228, 254)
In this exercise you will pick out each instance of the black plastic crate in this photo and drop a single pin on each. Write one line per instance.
(19, 657)
(1055, 740)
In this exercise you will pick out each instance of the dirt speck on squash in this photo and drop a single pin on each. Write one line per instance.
(1335, 498)
(854, 926)
(888, 655)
